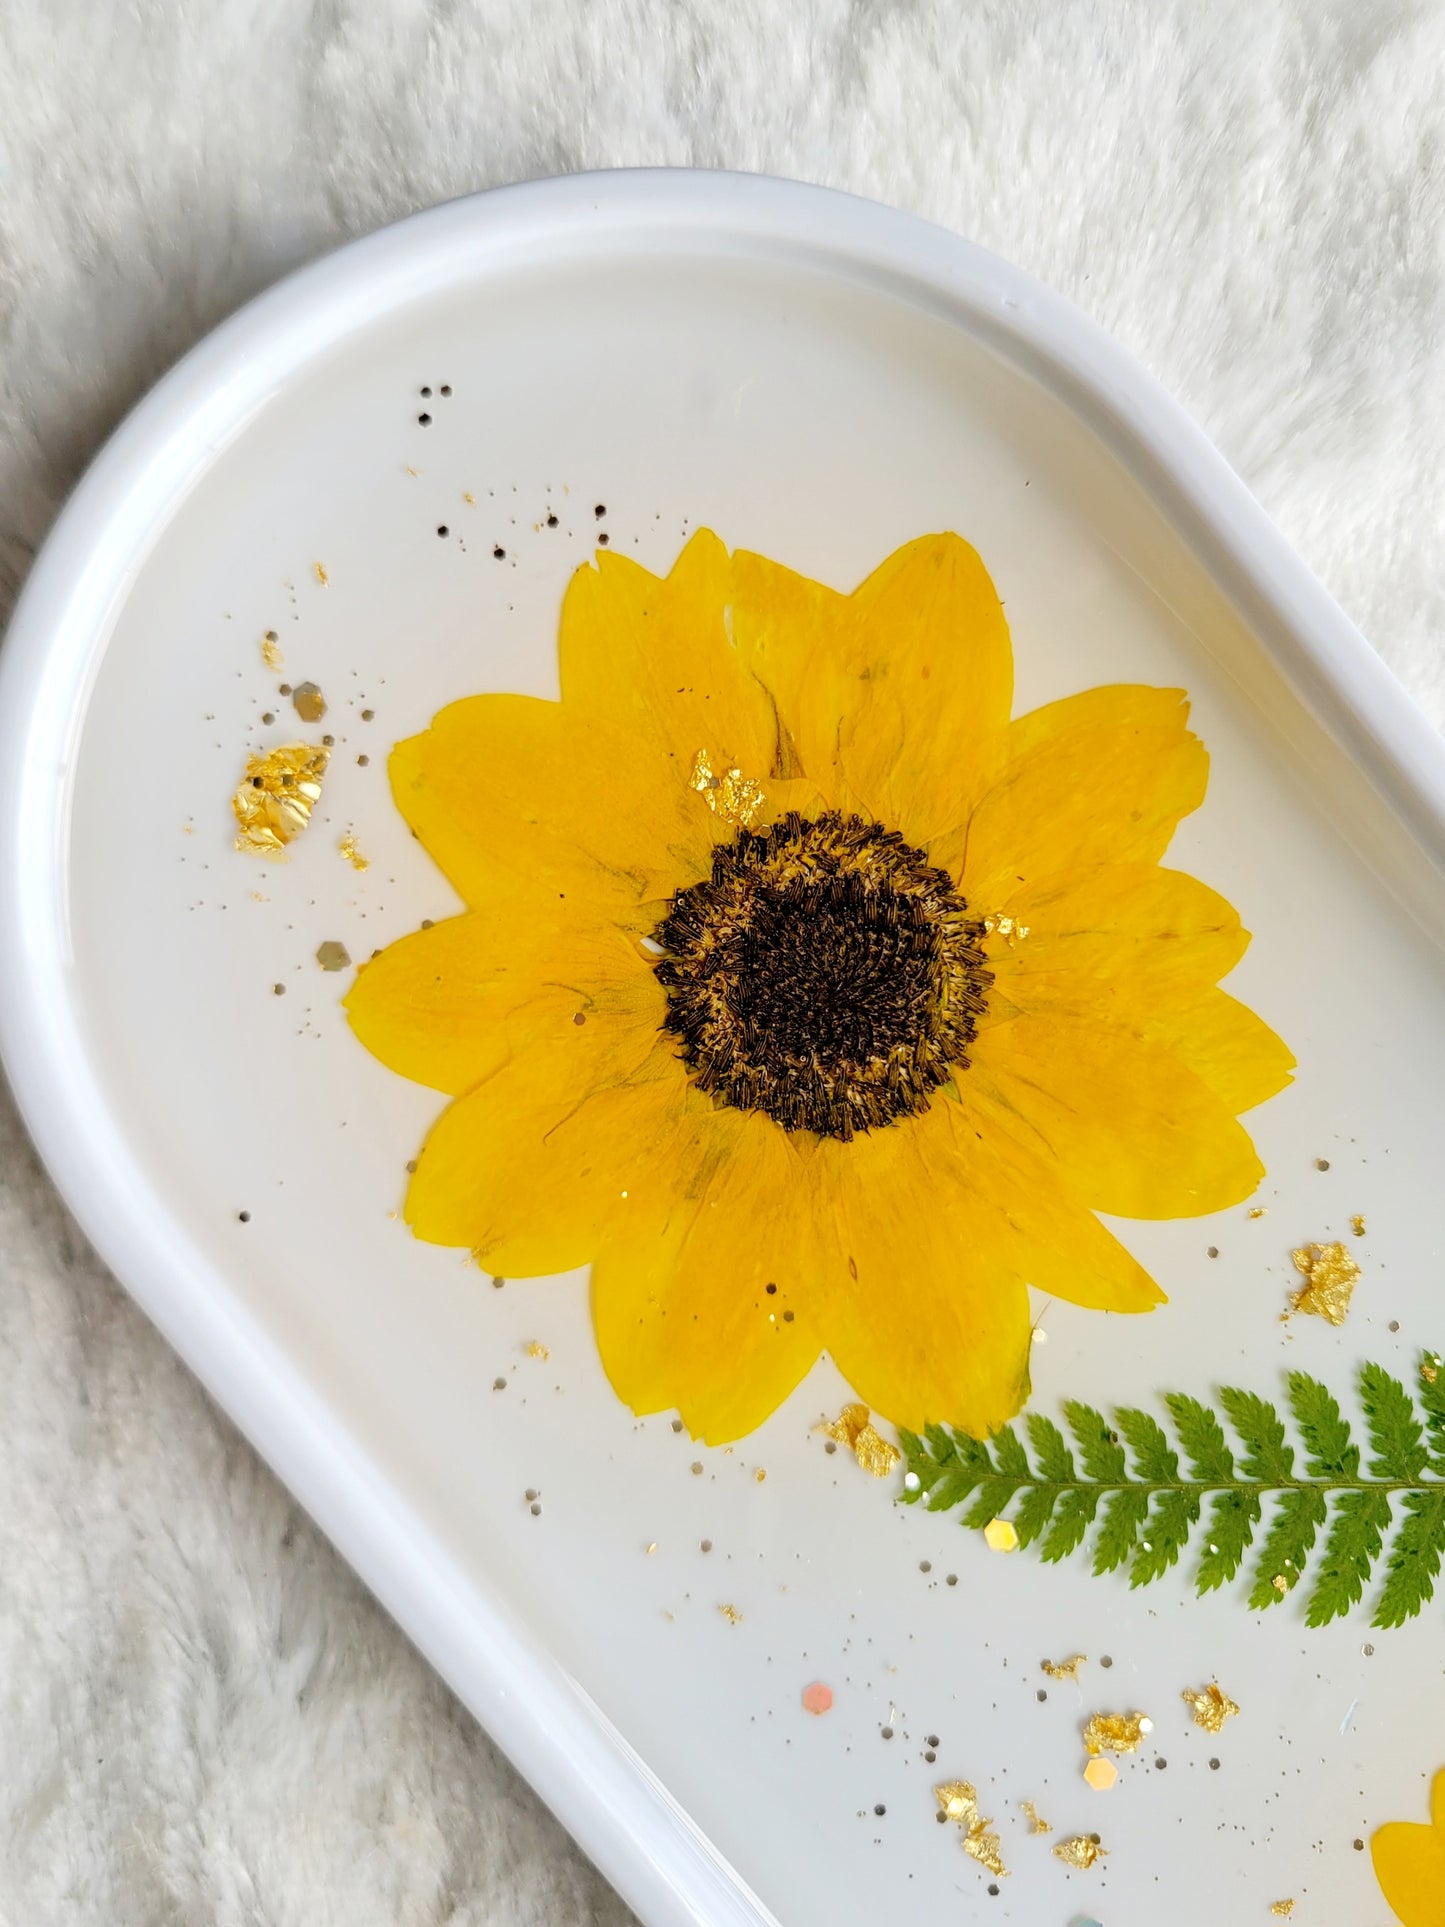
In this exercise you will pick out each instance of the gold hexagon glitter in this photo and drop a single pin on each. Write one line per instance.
(308, 702)
(273, 804)
(1115, 1732)
(1080, 1851)
(1065, 1668)
(351, 851)
(854, 1428)
(270, 650)
(1283, 1909)
(1000, 1536)
(1037, 1823)
(1210, 1706)
(332, 955)
(732, 796)
(1101, 1775)
(1330, 1275)
(1357, 1224)
(731, 1615)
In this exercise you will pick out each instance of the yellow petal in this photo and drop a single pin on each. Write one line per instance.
(528, 1171)
(534, 789)
(1235, 1052)
(1131, 1130)
(653, 655)
(790, 632)
(924, 717)
(1024, 1215)
(923, 1323)
(1102, 777)
(681, 1301)
(449, 1005)
(1410, 1866)
(1115, 941)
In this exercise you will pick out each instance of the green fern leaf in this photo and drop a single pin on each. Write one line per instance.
(1351, 1548)
(1328, 1451)
(1397, 1440)
(993, 1498)
(1268, 1458)
(1292, 1531)
(1414, 1559)
(1099, 1448)
(1163, 1536)
(1055, 1460)
(1035, 1509)
(1202, 1436)
(1009, 1454)
(1124, 1513)
(1233, 1517)
(1432, 1399)
(1154, 1459)
(1072, 1518)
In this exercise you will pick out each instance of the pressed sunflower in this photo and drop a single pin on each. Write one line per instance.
(1410, 1864)
(807, 997)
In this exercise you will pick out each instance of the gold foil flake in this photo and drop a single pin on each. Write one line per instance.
(270, 650)
(1280, 1584)
(332, 956)
(1282, 1909)
(958, 1800)
(1330, 1275)
(1000, 1536)
(351, 852)
(1009, 928)
(1037, 1823)
(1080, 1851)
(1065, 1668)
(469, 498)
(1115, 1732)
(536, 1349)
(274, 803)
(731, 1615)
(761, 1474)
(1210, 1706)
(321, 576)
(309, 703)
(1258, 1210)
(854, 1428)
(1357, 1224)
(1101, 1775)
(1430, 1370)
(732, 796)
(987, 1849)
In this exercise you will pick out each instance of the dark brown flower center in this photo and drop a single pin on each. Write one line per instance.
(825, 973)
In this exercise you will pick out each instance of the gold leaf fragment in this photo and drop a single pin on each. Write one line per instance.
(732, 796)
(958, 1800)
(1065, 1668)
(1210, 1706)
(854, 1428)
(536, 1349)
(321, 576)
(1115, 1732)
(987, 1849)
(273, 804)
(1330, 1275)
(351, 851)
(731, 1615)
(1283, 1908)
(1357, 1224)
(270, 650)
(1037, 1823)
(1009, 928)
(1080, 1851)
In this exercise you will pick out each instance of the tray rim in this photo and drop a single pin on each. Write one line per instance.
(616, 1808)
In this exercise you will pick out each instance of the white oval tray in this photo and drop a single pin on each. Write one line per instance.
(819, 379)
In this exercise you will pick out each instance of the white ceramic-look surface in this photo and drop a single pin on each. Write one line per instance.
(819, 380)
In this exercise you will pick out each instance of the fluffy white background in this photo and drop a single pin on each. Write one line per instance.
(202, 1718)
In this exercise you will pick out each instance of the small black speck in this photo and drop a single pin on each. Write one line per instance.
(925, 1565)
(880, 1809)
(1161, 1764)
(993, 1886)
(941, 1817)
(677, 1425)
(497, 1283)
(830, 1446)
(551, 521)
(787, 1318)
(410, 1166)
(770, 1289)
(536, 1509)
(1394, 1324)
(1095, 1838)
(285, 689)
(268, 715)
(1106, 1662)
(244, 1216)
(1358, 1845)
(707, 1545)
(1322, 1164)
(1213, 1252)
(930, 1756)
(887, 1732)
(425, 419)
(446, 388)
(600, 510)
(952, 1579)
(426, 923)
(1041, 1696)
(603, 539)
(278, 990)
(499, 1385)
(367, 714)
(442, 529)
(1214, 1766)
(362, 761)
(329, 741)
(499, 552)
(426, 394)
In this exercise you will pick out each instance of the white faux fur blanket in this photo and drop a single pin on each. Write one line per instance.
(202, 1718)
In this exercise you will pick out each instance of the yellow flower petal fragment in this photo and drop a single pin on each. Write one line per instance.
(684, 1285)
(1235, 1052)
(1102, 777)
(448, 1005)
(1409, 1864)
